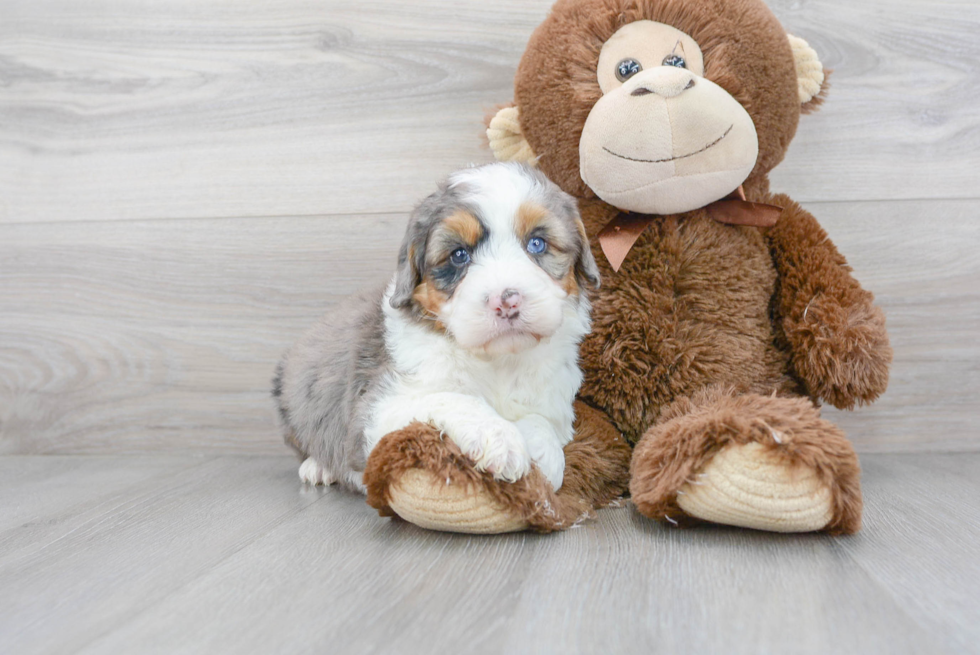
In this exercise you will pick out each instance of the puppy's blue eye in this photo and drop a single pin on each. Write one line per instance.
(675, 60)
(536, 246)
(460, 257)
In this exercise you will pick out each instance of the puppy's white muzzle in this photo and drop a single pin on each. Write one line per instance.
(504, 306)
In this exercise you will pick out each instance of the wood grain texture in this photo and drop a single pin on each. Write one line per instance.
(129, 109)
(135, 336)
(125, 337)
(91, 565)
(128, 336)
(919, 258)
(920, 530)
(899, 120)
(62, 488)
(135, 109)
(230, 555)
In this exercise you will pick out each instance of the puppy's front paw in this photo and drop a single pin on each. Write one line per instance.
(543, 448)
(497, 447)
(551, 460)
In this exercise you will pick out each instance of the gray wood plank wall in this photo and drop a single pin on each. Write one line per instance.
(185, 186)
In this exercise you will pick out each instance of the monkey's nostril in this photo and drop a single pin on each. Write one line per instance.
(641, 91)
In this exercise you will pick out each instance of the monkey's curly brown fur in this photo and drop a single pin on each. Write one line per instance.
(697, 304)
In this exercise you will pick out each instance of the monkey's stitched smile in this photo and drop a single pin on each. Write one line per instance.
(664, 161)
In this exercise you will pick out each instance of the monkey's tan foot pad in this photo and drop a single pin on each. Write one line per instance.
(421, 498)
(416, 474)
(746, 485)
(763, 462)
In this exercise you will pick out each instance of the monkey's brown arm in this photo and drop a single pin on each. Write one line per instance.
(833, 329)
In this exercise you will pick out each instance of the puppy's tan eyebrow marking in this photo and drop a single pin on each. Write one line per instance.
(532, 216)
(464, 224)
(529, 216)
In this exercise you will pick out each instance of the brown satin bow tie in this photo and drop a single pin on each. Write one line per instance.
(619, 235)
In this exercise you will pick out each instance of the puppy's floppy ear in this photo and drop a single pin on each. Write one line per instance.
(411, 258)
(585, 265)
(586, 269)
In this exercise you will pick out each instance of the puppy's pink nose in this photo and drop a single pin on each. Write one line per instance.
(507, 304)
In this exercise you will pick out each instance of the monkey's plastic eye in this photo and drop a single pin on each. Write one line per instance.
(675, 60)
(460, 257)
(627, 69)
(536, 246)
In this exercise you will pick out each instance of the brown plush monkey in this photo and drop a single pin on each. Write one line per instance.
(725, 313)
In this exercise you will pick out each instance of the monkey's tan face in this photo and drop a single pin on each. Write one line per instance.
(662, 138)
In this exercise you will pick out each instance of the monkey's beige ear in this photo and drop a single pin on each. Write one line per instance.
(810, 74)
(506, 139)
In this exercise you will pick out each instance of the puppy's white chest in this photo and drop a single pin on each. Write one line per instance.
(545, 388)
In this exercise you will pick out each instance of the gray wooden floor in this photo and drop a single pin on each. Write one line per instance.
(231, 554)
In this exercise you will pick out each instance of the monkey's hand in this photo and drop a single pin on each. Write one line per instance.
(835, 332)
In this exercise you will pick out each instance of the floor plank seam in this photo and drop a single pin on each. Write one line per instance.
(126, 491)
(395, 213)
(405, 211)
(872, 580)
(191, 579)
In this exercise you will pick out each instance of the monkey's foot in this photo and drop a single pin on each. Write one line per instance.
(749, 461)
(745, 485)
(417, 475)
(419, 497)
